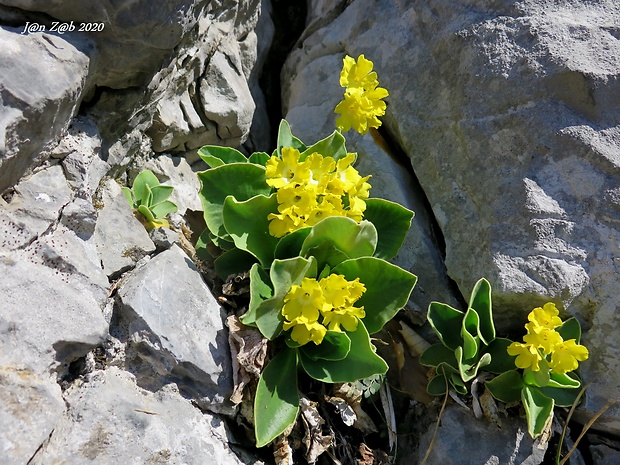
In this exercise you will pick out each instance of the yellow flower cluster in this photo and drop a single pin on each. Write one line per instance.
(543, 340)
(362, 104)
(316, 306)
(314, 189)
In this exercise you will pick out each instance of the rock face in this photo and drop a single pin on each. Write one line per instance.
(94, 368)
(508, 113)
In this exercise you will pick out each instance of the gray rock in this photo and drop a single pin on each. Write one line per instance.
(462, 438)
(42, 77)
(509, 114)
(604, 455)
(163, 238)
(120, 238)
(175, 329)
(30, 407)
(111, 420)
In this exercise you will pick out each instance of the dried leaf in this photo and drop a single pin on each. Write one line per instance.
(372, 457)
(489, 407)
(282, 452)
(248, 349)
(412, 376)
(352, 396)
(346, 412)
(415, 343)
(390, 416)
(315, 441)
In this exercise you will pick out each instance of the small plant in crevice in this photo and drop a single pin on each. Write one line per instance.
(536, 372)
(149, 200)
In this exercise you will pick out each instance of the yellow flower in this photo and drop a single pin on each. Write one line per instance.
(305, 330)
(284, 223)
(348, 317)
(358, 73)
(565, 356)
(321, 170)
(527, 355)
(304, 300)
(283, 171)
(546, 317)
(541, 337)
(301, 199)
(360, 109)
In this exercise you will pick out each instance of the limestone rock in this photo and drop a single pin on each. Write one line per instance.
(175, 329)
(36, 104)
(111, 420)
(176, 172)
(509, 115)
(121, 239)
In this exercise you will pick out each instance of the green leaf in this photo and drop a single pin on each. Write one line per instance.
(538, 378)
(332, 146)
(361, 361)
(507, 386)
(248, 226)
(233, 261)
(290, 244)
(287, 139)
(161, 193)
(480, 301)
(240, 180)
(447, 323)
(129, 196)
(470, 330)
(437, 354)
(202, 244)
(437, 386)
(164, 208)
(146, 179)
(147, 201)
(392, 222)
(538, 409)
(388, 288)
(335, 346)
(469, 368)
(561, 397)
(260, 158)
(327, 255)
(277, 399)
(570, 329)
(458, 384)
(563, 381)
(283, 274)
(214, 155)
(501, 361)
(261, 289)
(146, 213)
(355, 240)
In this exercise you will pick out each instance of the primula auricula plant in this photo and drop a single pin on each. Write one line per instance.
(316, 247)
(149, 200)
(549, 352)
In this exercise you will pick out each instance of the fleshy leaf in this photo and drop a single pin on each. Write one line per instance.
(260, 290)
(240, 180)
(480, 301)
(361, 361)
(501, 361)
(388, 288)
(355, 240)
(570, 329)
(128, 195)
(538, 409)
(335, 346)
(437, 386)
(144, 211)
(164, 208)
(561, 397)
(160, 193)
(283, 274)
(247, 224)
(467, 368)
(202, 244)
(438, 353)
(277, 399)
(392, 222)
(290, 244)
(507, 386)
(563, 381)
(260, 158)
(287, 139)
(447, 323)
(144, 179)
(214, 155)
(332, 146)
(470, 330)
